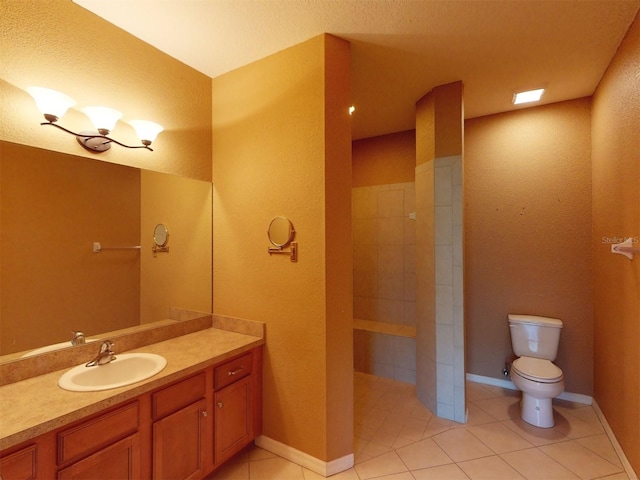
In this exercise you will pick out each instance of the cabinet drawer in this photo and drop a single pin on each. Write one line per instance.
(118, 461)
(97, 433)
(179, 395)
(20, 465)
(231, 371)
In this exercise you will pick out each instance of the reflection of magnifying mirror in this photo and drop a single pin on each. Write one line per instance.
(161, 235)
(281, 232)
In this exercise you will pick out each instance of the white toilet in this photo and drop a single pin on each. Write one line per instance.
(535, 341)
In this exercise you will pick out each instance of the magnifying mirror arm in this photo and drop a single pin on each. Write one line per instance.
(156, 249)
(293, 251)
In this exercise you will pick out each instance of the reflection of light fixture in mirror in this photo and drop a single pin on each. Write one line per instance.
(53, 105)
(281, 233)
(160, 238)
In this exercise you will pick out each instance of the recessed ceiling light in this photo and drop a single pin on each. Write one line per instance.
(529, 96)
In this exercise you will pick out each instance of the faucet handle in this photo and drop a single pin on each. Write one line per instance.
(106, 347)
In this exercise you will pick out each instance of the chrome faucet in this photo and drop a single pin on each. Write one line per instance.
(104, 356)
(78, 338)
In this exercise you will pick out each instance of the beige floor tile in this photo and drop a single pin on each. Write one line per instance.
(477, 416)
(374, 449)
(573, 427)
(232, 471)
(535, 435)
(414, 430)
(387, 464)
(423, 454)
(535, 465)
(435, 426)
(601, 445)
(476, 391)
(395, 476)
(257, 453)
(443, 472)
(461, 445)
(489, 468)
(499, 437)
(346, 475)
(501, 408)
(275, 469)
(580, 460)
(617, 476)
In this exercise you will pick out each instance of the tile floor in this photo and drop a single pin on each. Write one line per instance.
(396, 438)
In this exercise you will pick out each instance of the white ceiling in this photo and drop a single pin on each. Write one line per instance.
(401, 49)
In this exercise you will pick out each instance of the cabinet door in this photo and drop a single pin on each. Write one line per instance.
(120, 460)
(233, 419)
(178, 444)
(19, 466)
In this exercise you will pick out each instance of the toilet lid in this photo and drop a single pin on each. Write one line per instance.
(537, 370)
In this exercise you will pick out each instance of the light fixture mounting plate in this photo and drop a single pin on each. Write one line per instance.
(93, 144)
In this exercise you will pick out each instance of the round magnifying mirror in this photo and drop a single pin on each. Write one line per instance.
(281, 232)
(161, 235)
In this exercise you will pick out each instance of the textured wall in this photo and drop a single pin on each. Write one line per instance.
(384, 160)
(616, 213)
(282, 146)
(59, 45)
(527, 231)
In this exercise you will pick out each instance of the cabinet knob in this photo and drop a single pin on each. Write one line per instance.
(204, 413)
(220, 404)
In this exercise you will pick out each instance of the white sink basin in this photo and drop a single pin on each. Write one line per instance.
(126, 369)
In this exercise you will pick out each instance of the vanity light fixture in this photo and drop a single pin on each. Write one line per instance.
(53, 105)
(528, 96)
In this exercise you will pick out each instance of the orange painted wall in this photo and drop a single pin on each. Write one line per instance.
(59, 45)
(448, 121)
(616, 213)
(527, 231)
(385, 159)
(282, 146)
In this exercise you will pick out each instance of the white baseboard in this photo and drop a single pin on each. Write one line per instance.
(508, 384)
(305, 460)
(614, 441)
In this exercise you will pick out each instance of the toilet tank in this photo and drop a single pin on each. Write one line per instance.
(533, 336)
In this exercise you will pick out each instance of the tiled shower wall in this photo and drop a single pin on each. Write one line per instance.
(384, 277)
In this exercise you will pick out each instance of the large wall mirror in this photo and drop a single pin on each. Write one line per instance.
(54, 206)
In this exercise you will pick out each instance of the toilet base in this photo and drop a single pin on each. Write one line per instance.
(536, 411)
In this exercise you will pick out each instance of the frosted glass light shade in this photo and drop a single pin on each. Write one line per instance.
(52, 104)
(103, 118)
(146, 131)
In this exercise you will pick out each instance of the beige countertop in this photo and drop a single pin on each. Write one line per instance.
(38, 405)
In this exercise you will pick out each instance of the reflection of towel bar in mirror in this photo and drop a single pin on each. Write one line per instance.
(97, 247)
(293, 251)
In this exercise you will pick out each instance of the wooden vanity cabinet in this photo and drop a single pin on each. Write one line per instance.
(179, 430)
(107, 446)
(182, 431)
(20, 465)
(233, 405)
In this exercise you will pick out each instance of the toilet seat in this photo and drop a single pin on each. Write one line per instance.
(537, 370)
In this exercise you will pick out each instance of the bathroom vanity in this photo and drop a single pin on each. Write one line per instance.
(183, 423)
